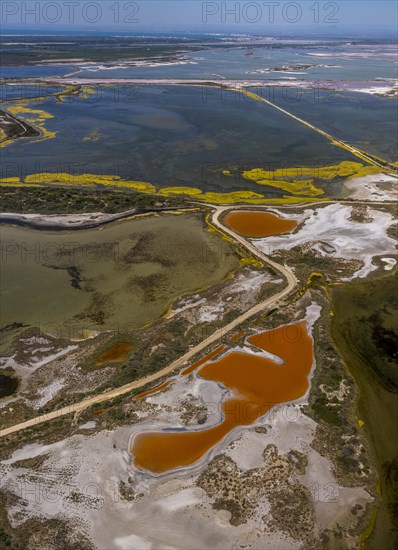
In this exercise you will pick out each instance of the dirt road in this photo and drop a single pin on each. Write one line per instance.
(258, 308)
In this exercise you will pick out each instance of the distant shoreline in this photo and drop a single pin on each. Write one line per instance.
(59, 222)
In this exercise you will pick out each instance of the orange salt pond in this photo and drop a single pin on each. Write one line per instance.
(256, 384)
(117, 352)
(238, 335)
(207, 357)
(252, 223)
(189, 369)
(160, 387)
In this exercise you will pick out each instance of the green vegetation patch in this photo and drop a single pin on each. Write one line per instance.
(366, 322)
(45, 200)
(365, 330)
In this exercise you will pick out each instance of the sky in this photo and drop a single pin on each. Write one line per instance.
(257, 17)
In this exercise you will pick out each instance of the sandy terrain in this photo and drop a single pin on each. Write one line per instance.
(375, 87)
(378, 187)
(90, 480)
(347, 239)
(45, 367)
(63, 221)
(241, 293)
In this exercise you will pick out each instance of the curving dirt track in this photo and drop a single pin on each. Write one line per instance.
(258, 308)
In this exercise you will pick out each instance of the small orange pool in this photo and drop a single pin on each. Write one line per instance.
(114, 354)
(157, 388)
(254, 223)
(238, 335)
(256, 384)
(204, 359)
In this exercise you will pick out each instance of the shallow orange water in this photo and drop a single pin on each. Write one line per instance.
(256, 383)
(117, 352)
(153, 390)
(251, 223)
(207, 357)
(189, 369)
(238, 335)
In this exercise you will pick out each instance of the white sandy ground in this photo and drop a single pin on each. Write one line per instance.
(34, 363)
(390, 263)
(172, 512)
(288, 428)
(211, 313)
(379, 90)
(169, 514)
(47, 393)
(39, 356)
(67, 220)
(94, 67)
(349, 240)
(88, 425)
(376, 187)
(246, 281)
(385, 86)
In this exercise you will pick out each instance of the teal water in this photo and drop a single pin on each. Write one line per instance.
(34, 71)
(112, 278)
(169, 136)
(24, 91)
(255, 63)
(364, 120)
